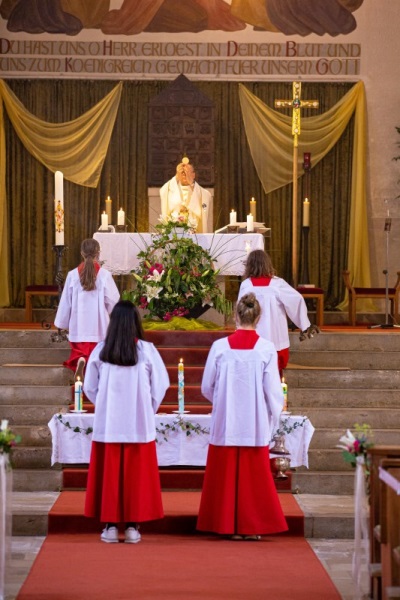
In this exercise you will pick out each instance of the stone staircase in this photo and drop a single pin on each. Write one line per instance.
(337, 379)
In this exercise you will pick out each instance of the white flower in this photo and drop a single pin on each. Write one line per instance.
(156, 276)
(152, 292)
(347, 440)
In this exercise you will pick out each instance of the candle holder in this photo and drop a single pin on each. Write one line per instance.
(121, 228)
(305, 277)
(58, 271)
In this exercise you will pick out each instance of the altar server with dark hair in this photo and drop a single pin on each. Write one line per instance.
(126, 380)
(278, 301)
(88, 297)
(241, 380)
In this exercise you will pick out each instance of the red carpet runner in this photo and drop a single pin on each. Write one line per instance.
(172, 561)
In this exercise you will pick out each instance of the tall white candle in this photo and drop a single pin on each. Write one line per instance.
(285, 395)
(109, 209)
(250, 223)
(4, 425)
(306, 213)
(232, 217)
(78, 394)
(253, 208)
(181, 387)
(121, 217)
(104, 221)
(59, 207)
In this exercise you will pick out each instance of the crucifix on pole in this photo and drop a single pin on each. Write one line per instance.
(296, 104)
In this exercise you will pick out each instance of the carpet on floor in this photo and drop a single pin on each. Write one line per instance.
(180, 507)
(167, 567)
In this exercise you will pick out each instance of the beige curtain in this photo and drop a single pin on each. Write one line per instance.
(269, 135)
(77, 148)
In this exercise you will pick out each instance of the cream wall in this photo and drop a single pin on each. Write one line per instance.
(377, 34)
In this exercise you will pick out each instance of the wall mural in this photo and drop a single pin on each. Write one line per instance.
(290, 17)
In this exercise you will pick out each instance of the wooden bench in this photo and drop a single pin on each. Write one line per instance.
(314, 293)
(355, 293)
(376, 455)
(37, 290)
(389, 475)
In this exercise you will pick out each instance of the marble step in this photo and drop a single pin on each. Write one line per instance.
(29, 338)
(35, 374)
(302, 398)
(364, 340)
(345, 358)
(377, 418)
(328, 482)
(47, 356)
(20, 395)
(34, 415)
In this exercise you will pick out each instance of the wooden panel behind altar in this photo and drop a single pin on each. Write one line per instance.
(181, 122)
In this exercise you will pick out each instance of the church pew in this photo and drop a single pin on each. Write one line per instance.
(389, 474)
(375, 455)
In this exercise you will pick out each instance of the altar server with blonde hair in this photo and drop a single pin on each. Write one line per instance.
(126, 380)
(241, 380)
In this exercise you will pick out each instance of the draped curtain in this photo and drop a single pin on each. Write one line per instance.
(28, 234)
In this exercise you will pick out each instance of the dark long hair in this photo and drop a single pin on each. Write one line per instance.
(125, 327)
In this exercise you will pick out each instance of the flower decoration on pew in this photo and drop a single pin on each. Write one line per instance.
(8, 439)
(175, 276)
(187, 427)
(357, 444)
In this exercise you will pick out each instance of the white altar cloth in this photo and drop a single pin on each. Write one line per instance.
(119, 250)
(71, 447)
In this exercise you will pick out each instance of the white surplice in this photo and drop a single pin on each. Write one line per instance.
(197, 201)
(245, 390)
(86, 314)
(278, 300)
(126, 398)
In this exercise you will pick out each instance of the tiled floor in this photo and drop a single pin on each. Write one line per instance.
(334, 554)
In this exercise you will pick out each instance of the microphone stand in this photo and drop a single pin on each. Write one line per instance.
(386, 325)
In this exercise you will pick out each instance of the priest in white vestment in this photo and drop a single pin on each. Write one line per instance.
(183, 198)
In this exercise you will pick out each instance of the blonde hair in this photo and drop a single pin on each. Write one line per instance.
(259, 264)
(248, 309)
(90, 250)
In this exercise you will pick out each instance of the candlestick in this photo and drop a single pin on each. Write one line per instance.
(104, 221)
(306, 213)
(285, 395)
(59, 207)
(253, 208)
(121, 217)
(109, 209)
(78, 394)
(250, 223)
(181, 387)
(232, 217)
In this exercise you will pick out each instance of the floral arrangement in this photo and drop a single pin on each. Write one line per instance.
(8, 439)
(175, 275)
(356, 444)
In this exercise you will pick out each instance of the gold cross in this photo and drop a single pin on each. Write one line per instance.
(295, 104)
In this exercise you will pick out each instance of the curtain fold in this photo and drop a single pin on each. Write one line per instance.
(77, 148)
(269, 134)
(4, 278)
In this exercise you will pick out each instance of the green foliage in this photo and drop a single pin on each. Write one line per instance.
(8, 439)
(175, 275)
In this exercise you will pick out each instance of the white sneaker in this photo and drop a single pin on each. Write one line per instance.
(110, 535)
(80, 368)
(132, 536)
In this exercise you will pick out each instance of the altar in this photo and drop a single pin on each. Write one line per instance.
(118, 251)
(71, 444)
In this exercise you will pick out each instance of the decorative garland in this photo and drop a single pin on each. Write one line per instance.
(187, 427)
(164, 430)
(86, 431)
(284, 428)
